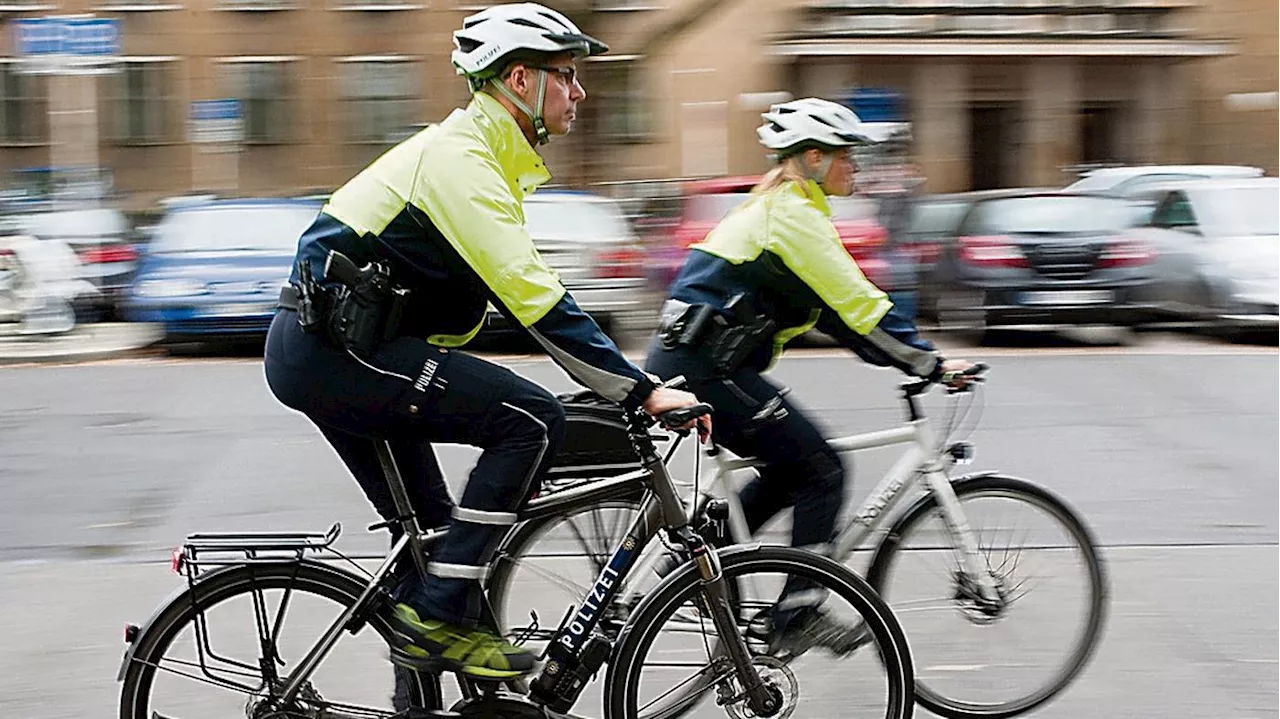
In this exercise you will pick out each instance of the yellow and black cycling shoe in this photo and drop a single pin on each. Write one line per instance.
(433, 645)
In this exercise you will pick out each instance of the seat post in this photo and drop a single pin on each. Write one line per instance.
(404, 508)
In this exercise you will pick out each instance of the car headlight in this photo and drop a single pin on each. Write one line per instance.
(169, 288)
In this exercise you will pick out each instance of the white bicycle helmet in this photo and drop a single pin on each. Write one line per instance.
(488, 38)
(807, 122)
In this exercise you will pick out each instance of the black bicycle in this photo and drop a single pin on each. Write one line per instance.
(276, 626)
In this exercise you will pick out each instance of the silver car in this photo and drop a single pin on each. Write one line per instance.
(588, 241)
(1132, 181)
(1217, 248)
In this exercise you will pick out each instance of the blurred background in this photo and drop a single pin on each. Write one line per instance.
(1081, 192)
(127, 126)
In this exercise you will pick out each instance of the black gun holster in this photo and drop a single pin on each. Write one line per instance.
(356, 307)
(725, 340)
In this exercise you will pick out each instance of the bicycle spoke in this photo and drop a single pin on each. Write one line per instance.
(918, 605)
(705, 668)
(578, 590)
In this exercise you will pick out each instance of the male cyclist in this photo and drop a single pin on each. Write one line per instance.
(374, 355)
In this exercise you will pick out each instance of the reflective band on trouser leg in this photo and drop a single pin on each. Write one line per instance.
(477, 516)
(456, 571)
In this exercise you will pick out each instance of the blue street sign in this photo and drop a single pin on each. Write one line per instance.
(216, 121)
(876, 104)
(210, 110)
(97, 37)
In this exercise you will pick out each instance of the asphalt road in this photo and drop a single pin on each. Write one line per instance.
(1168, 448)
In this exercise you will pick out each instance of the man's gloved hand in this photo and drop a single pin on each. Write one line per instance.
(665, 399)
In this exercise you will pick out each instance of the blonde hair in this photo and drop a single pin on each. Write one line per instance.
(787, 170)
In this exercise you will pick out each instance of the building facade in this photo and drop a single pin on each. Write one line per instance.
(999, 92)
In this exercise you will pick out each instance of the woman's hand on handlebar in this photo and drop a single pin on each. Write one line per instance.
(960, 373)
(665, 399)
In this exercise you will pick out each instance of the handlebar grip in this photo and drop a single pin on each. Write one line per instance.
(676, 418)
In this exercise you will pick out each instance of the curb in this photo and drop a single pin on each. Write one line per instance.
(86, 343)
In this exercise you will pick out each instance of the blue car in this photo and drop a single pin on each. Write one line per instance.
(214, 270)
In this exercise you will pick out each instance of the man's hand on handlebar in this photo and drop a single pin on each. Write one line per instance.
(664, 399)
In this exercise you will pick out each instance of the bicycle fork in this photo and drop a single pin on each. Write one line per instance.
(760, 699)
(963, 542)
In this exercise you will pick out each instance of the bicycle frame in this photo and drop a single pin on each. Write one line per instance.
(660, 508)
(923, 460)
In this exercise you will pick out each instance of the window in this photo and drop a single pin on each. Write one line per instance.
(379, 96)
(623, 110)
(24, 106)
(1041, 214)
(1175, 214)
(142, 101)
(265, 89)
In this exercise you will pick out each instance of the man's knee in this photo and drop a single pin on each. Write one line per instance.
(536, 415)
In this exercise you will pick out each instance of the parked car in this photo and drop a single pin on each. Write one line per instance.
(1218, 251)
(1128, 181)
(102, 241)
(706, 202)
(215, 269)
(587, 240)
(1022, 258)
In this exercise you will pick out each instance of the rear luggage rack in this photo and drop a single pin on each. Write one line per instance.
(239, 547)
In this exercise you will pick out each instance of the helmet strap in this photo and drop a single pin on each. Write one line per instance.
(535, 116)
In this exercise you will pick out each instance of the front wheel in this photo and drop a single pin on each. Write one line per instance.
(977, 659)
(850, 660)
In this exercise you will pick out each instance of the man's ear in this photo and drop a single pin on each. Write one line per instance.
(518, 78)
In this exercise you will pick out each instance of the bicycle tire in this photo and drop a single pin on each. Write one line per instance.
(1023, 490)
(227, 583)
(621, 681)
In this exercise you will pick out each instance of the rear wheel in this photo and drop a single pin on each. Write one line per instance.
(225, 647)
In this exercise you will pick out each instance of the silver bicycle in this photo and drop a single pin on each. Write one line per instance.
(998, 583)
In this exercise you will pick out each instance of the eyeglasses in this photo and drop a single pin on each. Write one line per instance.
(568, 73)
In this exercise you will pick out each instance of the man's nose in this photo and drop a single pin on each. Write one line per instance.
(577, 93)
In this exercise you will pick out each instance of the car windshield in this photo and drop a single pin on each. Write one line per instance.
(852, 208)
(1097, 182)
(75, 223)
(1241, 211)
(1053, 214)
(712, 208)
(575, 220)
(265, 228)
(934, 217)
